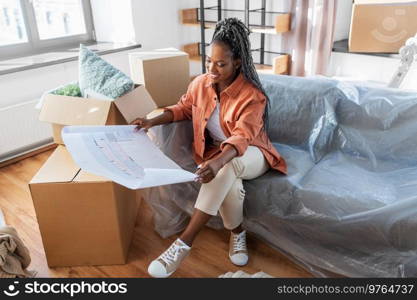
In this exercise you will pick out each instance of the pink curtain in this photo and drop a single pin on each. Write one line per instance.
(310, 40)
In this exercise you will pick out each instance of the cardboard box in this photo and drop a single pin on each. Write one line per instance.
(84, 219)
(282, 23)
(165, 74)
(381, 25)
(281, 64)
(61, 111)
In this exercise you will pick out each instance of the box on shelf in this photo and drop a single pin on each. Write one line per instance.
(281, 64)
(164, 72)
(84, 219)
(192, 50)
(382, 25)
(61, 111)
(282, 23)
(189, 16)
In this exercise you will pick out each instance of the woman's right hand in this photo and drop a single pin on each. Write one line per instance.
(142, 123)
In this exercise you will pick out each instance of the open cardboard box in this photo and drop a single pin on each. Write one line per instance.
(84, 219)
(61, 111)
(164, 72)
(382, 25)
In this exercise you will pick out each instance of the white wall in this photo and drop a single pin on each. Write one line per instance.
(113, 20)
(343, 16)
(363, 67)
(157, 22)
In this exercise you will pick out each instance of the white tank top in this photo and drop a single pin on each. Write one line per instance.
(213, 125)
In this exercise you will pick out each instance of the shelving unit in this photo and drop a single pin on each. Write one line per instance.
(282, 23)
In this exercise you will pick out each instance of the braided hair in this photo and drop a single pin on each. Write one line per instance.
(233, 33)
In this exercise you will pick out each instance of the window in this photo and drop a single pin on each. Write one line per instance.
(58, 18)
(12, 26)
(33, 26)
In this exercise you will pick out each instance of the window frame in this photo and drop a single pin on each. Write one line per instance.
(35, 45)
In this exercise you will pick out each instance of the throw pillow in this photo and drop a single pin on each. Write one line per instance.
(95, 74)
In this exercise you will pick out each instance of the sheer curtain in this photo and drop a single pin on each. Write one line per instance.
(310, 40)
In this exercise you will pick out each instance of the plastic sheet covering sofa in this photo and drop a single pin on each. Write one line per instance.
(348, 205)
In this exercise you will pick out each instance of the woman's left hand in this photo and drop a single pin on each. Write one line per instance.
(208, 170)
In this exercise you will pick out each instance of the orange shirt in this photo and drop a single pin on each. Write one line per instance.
(241, 110)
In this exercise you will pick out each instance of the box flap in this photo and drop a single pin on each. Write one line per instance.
(175, 75)
(60, 167)
(385, 2)
(115, 117)
(157, 54)
(137, 103)
(67, 110)
(84, 176)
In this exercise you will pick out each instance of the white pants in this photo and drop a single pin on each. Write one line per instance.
(225, 192)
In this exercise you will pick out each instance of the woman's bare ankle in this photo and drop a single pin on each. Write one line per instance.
(237, 230)
(187, 240)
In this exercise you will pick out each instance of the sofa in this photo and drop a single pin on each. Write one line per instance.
(348, 206)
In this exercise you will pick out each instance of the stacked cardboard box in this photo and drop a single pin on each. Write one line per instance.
(61, 111)
(382, 25)
(165, 73)
(86, 219)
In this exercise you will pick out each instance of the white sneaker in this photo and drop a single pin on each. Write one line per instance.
(169, 261)
(238, 251)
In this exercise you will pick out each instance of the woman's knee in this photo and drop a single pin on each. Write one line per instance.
(250, 165)
(229, 170)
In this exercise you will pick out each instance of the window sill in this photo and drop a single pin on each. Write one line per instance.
(58, 57)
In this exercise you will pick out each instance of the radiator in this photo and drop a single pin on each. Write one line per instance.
(21, 131)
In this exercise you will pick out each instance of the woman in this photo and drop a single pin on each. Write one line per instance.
(228, 107)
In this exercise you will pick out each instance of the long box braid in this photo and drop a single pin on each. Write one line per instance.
(234, 33)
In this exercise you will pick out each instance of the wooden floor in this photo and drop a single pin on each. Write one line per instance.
(208, 258)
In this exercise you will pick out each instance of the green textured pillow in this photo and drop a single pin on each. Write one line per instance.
(97, 75)
(71, 89)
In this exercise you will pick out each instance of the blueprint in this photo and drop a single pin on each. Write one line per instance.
(123, 155)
